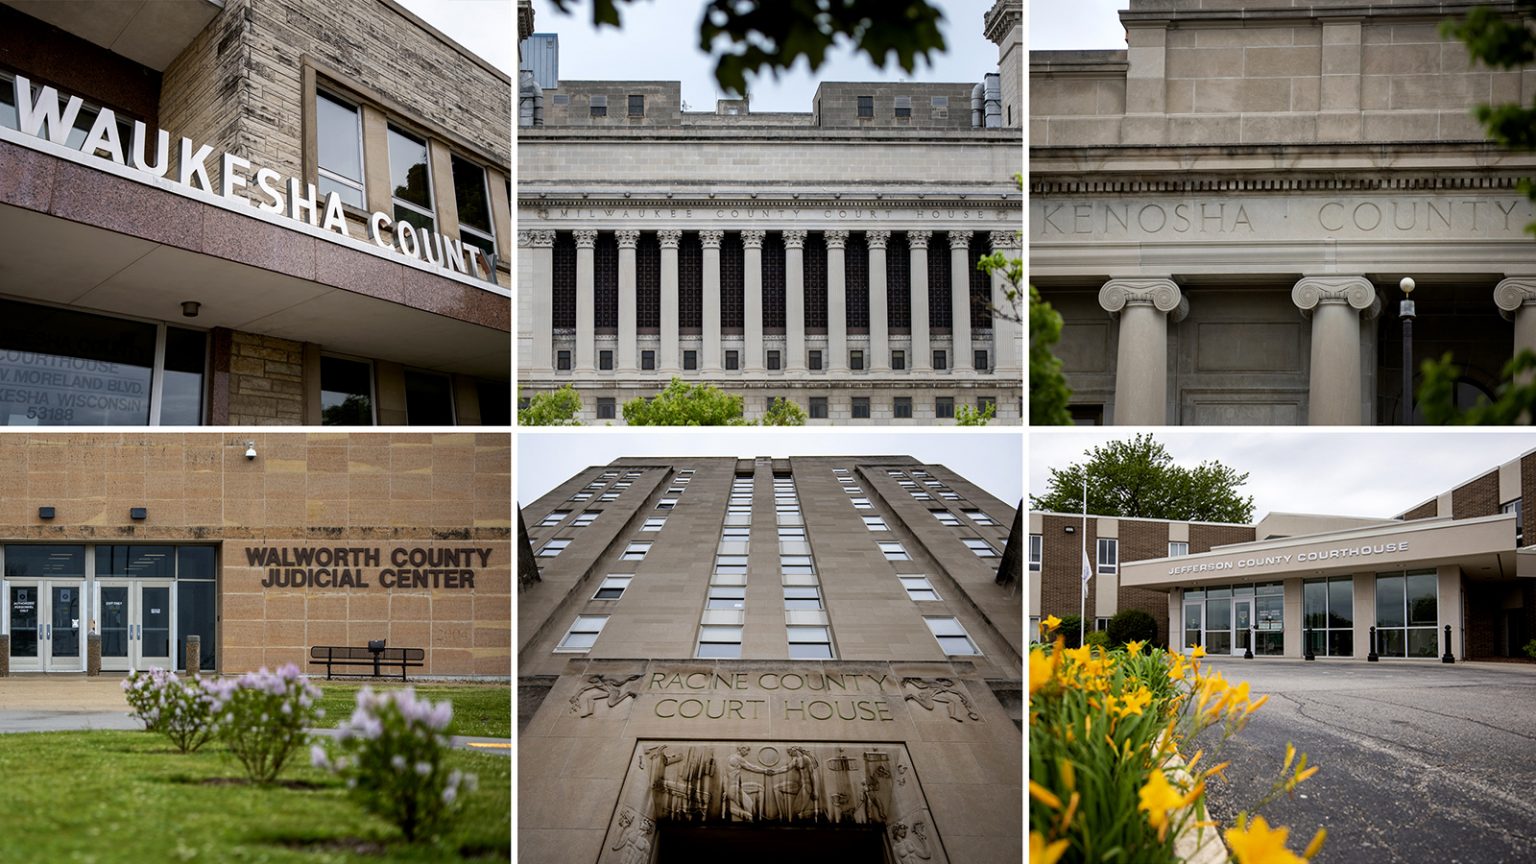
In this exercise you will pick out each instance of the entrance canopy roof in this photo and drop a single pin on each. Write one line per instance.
(1483, 548)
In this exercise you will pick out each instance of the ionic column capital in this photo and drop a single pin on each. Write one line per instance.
(537, 239)
(835, 239)
(794, 239)
(752, 239)
(669, 237)
(1161, 294)
(960, 239)
(586, 238)
(1004, 240)
(1513, 293)
(711, 239)
(627, 237)
(877, 239)
(1357, 292)
(918, 239)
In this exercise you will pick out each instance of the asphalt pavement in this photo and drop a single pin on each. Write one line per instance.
(1419, 761)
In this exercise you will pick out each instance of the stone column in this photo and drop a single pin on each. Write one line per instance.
(669, 362)
(794, 300)
(837, 302)
(586, 333)
(629, 359)
(1141, 370)
(752, 288)
(960, 301)
(1515, 298)
(543, 245)
(922, 350)
(1334, 304)
(1007, 334)
(710, 322)
(879, 324)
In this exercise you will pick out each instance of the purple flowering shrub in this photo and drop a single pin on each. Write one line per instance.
(392, 751)
(263, 717)
(183, 710)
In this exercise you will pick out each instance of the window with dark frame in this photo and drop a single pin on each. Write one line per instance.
(861, 407)
(940, 313)
(940, 359)
(605, 360)
(814, 360)
(773, 361)
(733, 288)
(818, 407)
(979, 361)
(898, 360)
(898, 284)
(648, 360)
(563, 360)
(856, 359)
(815, 282)
(605, 283)
(981, 282)
(856, 282)
(598, 106)
(648, 283)
(902, 407)
(346, 392)
(944, 407)
(690, 283)
(903, 106)
(773, 282)
(732, 360)
(636, 105)
(605, 408)
(690, 360)
(866, 106)
(563, 293)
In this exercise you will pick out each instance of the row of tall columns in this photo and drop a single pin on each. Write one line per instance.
(836, 356)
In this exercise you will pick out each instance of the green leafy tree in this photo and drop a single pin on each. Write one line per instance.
(751, 36)
(965, 415)
(1512, 400)
(1138, 479)
(684, 404)
(1012, 271)
(1048, 391)
(555, 408)
(783, 413)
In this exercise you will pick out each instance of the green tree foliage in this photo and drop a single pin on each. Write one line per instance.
(749, 36)
(1048, 391)
(784, 413)
(1512, 400)
(1137, 479)
(1011, 269)
(684, 404)
(1502, 43)
(965, 415)
(555, 408)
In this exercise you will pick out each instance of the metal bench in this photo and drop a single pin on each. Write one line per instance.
(375, 656)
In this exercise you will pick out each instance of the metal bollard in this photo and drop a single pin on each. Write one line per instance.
(1248, 649)
(1448, 658)
(194, 655)
(1372, 657)
(1307, 653)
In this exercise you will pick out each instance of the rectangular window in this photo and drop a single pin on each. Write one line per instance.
(796, 565)
(555, 517)
(472, 195)
(866, 106)
(609, 496)
(583, 633)
(898, 360)
(1109, 555)
(654, 523)
(636, 551)
(636, 105)
(809, 643)
(919, 588)
(945, 517)
(903, 106)
(773, 365)
(605, 408)
(1515, 508)
(1177, 549)
(553, 548)
(875, 523)
(690, 360)
(802, 597)
(894, 551)
(983, 550)
(339, 145)
(587, 517)
(952, 636)
(563, 360)
(944, 407)
(582, 496)
(428, 399)
(861, 407)
(732, 361)
(1036, 543)
(719, 642)
(814, 360)
(605, 360)
(666, 504)
(648, 360)
(410, 179)
(862, 504)
(901, 407)
(856, 360)
(940, 359)
(726, 597)
(978, 517)
(734, 565)
(598, 106)
(612, 588)
(979, 362)
(346, 392)
(1406, 614)
(818, 407)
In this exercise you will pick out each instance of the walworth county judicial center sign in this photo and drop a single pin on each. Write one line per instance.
(299, 204)
(353, 567)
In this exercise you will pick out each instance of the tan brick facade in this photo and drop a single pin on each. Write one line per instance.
(266, 380)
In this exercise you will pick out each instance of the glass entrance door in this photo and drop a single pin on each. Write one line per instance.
(24, 605)
(1242, 621)
(154, 619)
(47, 633)
(63, 630)
(136, 625)
(112, 622)
(1194, 625)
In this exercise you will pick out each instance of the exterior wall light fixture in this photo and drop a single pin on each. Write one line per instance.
(138, 514)
(45, 512)
(190, 308)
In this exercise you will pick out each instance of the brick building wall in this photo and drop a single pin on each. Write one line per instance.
(1204, 538)
(1528, 495)
(1061, 565)
(1479, 497)
(1427, 510)
(1139, 541)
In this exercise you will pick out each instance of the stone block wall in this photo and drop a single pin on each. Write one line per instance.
(836, 105)
(663, 103)
(266, 380)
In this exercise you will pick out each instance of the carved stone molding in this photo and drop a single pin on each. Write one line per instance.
(627, 237)
(538, 239)
(711, 239)
(669, 237)
(1004, 240)
(1512, 293)
(1161, 294)
(1299, 183)
(836, 239)
(1355, 291)
(877, 239)
(586, 238)
(794, 239)
(918, 239)
(602, 689)
(941, 696)
(960, 239)
(752, 239)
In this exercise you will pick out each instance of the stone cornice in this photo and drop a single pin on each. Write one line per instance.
(999, 201)
(1111, 186)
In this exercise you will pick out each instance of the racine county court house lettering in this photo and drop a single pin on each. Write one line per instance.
(347, 567)
(1298, 217)
(816, 695)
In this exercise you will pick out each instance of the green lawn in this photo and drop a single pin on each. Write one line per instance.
(108, 797)
(478, 709)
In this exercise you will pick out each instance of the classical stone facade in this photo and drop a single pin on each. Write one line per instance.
(717, 649)
(1223, 211)
(738, 249)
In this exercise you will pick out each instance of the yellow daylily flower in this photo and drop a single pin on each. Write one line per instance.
(1316, 845)
(1132, 703)
(1197, 651)
(1257, 843)
(1044, 795)
(1050, 623)
(1133, 647)
(1290, 755)
(1159, 796)
(1041, 852)
(1040, 670)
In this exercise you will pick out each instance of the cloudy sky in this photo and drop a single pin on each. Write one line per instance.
(483, 26)
(1055, 25)
(1370, 472)
(993, 460)
(659, 42)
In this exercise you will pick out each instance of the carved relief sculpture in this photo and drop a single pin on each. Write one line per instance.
(929, 692)
(601, 687)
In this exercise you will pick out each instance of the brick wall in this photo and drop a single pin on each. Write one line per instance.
(266, 380)
(1479, 497)
(1139, 541)
(1528, 493)
(1202, 538)
(1427, 510)
(1061, 566)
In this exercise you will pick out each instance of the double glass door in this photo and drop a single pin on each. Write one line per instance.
(46, 623)
(135, 620)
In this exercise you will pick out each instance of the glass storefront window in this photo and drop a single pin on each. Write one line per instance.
(1218, 624)
(339, 139)
(142, 562)
(44, 562)
(346, 392)
(1328, 611)
(1407, 614)
(428, 399)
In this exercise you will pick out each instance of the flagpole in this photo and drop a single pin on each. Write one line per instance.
(1082, 603)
